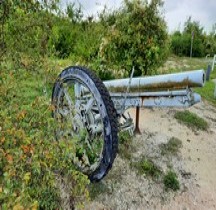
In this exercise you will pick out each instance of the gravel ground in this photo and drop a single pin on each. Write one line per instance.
(195, 164)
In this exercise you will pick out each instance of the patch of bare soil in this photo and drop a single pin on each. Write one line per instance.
(195, 165)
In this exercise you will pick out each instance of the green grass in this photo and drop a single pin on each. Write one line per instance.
(171, 181)
(172, 147)
(125, 145)
(207, 92)
(96, 189)
(148, 168)
(213, 73)
(178, 64)
(191, 120)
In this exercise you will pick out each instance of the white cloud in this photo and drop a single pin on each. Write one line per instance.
(93, 7)
(176, 12)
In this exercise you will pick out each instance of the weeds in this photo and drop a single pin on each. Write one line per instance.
(172, 147)
(171, 181)
(125, 145)
(30, 156)
(148, 168)
(191, 120)
(95, 189)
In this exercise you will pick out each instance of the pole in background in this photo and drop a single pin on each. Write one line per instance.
(208, 72)
(213, 62)
(192, 38)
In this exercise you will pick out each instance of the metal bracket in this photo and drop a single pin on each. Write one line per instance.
(127, 92)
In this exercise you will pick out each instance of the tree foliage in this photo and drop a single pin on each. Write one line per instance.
(27, 26)
(202, 43)
(137, 37)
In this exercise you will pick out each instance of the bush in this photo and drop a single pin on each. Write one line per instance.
(26, 30)
(63, 38)
(171, 181)
(32, 161)
(136, 37)
(181, 42)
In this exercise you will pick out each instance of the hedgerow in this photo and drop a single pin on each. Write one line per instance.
(34, 166)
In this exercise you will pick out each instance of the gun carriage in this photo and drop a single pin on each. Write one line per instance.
(88, 111)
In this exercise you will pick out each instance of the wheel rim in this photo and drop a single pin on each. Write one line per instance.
(79, 120)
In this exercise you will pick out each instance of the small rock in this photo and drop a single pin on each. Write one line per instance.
(196, 133)
(197, 185)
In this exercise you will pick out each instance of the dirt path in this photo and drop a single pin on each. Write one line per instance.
(195, 166)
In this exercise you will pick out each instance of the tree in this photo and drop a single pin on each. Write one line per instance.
(210, 41)
(193, 26)
(73, 13)
(181, 42)
(136, 37)
(30, 22)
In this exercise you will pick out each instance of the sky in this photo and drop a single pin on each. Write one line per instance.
(175, 12)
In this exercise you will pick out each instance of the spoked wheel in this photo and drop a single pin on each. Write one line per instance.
(85, 114)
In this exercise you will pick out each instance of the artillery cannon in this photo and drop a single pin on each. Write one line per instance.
(88, 111)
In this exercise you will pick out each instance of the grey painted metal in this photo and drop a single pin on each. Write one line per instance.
(170, 90)
(157, 99)
(159, 82)
(127, 92)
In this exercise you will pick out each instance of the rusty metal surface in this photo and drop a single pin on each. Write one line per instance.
(167, 93)
(137, 129)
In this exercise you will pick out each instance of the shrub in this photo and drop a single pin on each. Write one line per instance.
(171, 181)
(31, 159)
(136, 37)
(30, 24)
(63, 38)
(181, 42)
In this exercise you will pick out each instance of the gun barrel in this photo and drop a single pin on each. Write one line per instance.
(159, 82)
